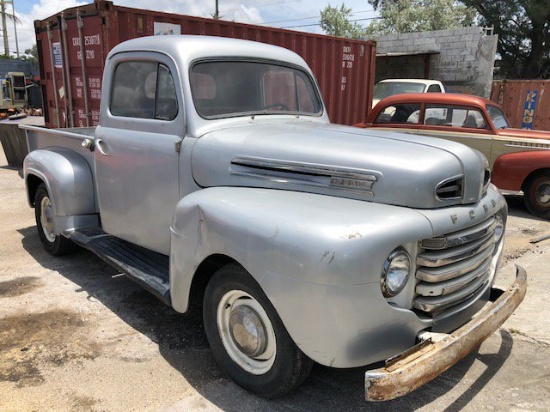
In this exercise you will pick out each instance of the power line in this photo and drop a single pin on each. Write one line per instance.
(309, 18)
(318, 24)
(288, 21)
(261, 5)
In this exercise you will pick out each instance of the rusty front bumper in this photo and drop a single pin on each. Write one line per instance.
(427, 360)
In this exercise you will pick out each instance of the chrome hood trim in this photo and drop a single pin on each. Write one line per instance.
(340, 177)
(382, 167)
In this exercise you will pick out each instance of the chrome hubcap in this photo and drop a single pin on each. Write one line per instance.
(46, 218)
(246, 332)
(543, 193)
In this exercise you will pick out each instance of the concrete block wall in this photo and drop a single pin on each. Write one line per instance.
(461, 58)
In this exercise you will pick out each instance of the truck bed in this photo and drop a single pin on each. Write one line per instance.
(69, 138)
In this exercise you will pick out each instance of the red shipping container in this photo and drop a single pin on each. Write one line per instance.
(71, 85)
(524, 102)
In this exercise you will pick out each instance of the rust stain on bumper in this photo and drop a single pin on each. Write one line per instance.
(429, 359)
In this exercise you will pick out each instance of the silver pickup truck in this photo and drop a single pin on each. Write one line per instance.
(216, 178)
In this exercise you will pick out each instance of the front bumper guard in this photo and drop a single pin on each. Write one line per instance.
(409, 370)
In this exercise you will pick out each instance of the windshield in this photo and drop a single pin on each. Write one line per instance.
(382, 90)
(497, 117)
(242, 88)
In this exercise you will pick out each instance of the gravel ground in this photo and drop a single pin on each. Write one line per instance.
(75, 335)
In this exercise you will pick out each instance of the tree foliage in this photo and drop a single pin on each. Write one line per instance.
(335, 22)
(31, 55)
(523, 29)
(406, 16)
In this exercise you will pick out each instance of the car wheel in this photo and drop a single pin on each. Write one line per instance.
(536, 194)
(43, 211)
(247, 337)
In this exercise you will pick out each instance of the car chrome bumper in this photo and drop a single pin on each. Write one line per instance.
(438, 352)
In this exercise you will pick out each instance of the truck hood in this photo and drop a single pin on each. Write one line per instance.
(363, 164)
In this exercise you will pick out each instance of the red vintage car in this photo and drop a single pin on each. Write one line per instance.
(519, 159)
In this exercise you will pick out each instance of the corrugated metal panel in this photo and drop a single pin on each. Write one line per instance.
(524, 102)
(343, 68)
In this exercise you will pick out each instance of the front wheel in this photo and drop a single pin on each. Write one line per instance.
(247, 337)
(56, 245)
(536, 194)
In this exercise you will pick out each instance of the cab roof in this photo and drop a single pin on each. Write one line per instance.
(188, 48)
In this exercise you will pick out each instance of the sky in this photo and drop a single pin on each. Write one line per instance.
(292, 14)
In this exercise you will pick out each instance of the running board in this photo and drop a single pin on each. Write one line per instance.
(147, 268)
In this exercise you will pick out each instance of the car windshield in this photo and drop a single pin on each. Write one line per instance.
(385, 89)
(243, 88)
(497, 117)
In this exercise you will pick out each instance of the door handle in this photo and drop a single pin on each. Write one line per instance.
(102, 147)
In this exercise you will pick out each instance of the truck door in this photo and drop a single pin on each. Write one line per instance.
(137, 150)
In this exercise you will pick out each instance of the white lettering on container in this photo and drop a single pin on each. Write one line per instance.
(93, 40)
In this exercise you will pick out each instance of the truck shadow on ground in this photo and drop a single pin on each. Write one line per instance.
(183, 345)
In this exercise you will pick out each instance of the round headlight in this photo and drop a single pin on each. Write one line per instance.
(499, 227)
(395, 272)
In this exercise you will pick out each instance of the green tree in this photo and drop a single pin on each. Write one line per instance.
(406, 16)
(335, 22)
(31, 55)
(523, 28)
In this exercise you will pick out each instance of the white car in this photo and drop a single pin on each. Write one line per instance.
(389, 87)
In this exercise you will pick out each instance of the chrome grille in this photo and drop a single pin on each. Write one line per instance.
(452, 269)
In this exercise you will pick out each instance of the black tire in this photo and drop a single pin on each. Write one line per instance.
(56, 245)
(272, 377)
(536, 194)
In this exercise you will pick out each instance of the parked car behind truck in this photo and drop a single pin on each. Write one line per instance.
(215, 178)
(390, 87)
(519, 159)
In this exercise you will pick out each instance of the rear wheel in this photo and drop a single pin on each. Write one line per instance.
(537, 194)
(43, 211)
(247, 337)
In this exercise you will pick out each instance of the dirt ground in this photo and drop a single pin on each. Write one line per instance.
(75, 335)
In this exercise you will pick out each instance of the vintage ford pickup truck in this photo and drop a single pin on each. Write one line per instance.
(215, 178)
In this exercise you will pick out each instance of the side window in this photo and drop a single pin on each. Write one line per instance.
(143, 90)
(474, 119)
(400, 113)
(434, 88)
(453, 116)
(436, 116)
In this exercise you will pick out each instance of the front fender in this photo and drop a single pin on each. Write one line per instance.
(318, 259)
(68, 178)
(511, 170)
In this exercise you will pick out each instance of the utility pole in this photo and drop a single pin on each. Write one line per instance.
(15, 27)
(217, 13)
(4, 28)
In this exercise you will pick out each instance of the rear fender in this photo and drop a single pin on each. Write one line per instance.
(69, 181)
(511, 170)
